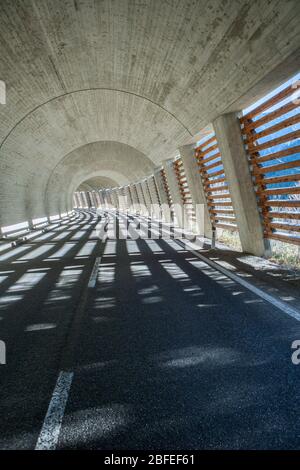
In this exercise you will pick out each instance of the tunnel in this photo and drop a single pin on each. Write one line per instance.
(149, 226)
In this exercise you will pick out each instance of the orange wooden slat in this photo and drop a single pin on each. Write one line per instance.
(259, 170)
(280, 203)
(209, 141)
(275, 155)
(281, 179)
(282, 238)
(282, 215)
(208, 159)
(269, 103)
(269, 117)
(227, 227)
(271, 143)
(219, 204)
(273, 129)
(291, 190)
(288, 227)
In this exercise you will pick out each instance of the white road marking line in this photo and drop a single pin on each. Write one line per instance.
(93, 278)
(283, 306)
(50, 431)
(49, 434)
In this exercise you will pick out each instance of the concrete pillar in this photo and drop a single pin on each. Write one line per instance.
(193, 178)
(124, 199)
(237, 172)
(166, 210)
(143, 208)
(90, 201)
(121, 197)
(134, 198)
(156, 209)
(147, 199)
(94, 199)
(85, 200)
(153, 190)
(109, 199)
(114, 198)
(128, 197)
(175, 193)
(105, 199)
(117, 198)
(77, 199)
(97, 198)
(101, 197)
(80, 199)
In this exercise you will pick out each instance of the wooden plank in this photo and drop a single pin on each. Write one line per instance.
(271, 143)
(288, 227)
(280, 179)
(218, 191)
(273, 129)
(213, 165)
(282, 238)
(268, 192)
(215, 181)
(227, 219)
(212, 205)
(211, 175)
(222, 211)
(275, 155)
(269, 117)
(207, 151)
(232, 228)
(212, 197)
(223, 187)
(282, 215)
(204, 144)
(280, 203)
(273, 168)
(208, 159)
(288, 91)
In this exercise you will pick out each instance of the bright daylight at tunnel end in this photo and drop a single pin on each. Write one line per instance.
(150, 228)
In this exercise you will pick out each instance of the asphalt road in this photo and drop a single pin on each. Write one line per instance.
(166, 352)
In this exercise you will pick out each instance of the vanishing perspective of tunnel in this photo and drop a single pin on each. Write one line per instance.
(149, 225)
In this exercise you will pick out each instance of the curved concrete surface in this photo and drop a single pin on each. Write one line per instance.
(97, 182)
(147, 74)
(113, 160)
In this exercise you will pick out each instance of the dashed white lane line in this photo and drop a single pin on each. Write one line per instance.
(50, 431)
(93, 278)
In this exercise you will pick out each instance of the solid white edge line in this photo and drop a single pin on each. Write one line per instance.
(93, 278)
(283, 306)
(50, 431)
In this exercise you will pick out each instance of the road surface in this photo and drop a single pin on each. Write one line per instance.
(157, 349)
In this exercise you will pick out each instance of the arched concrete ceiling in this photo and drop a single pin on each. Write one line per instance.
(114, 160)
(149, 74)
(98, 182)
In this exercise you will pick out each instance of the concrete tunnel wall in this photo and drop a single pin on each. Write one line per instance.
(117, 161)
(146, 75)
